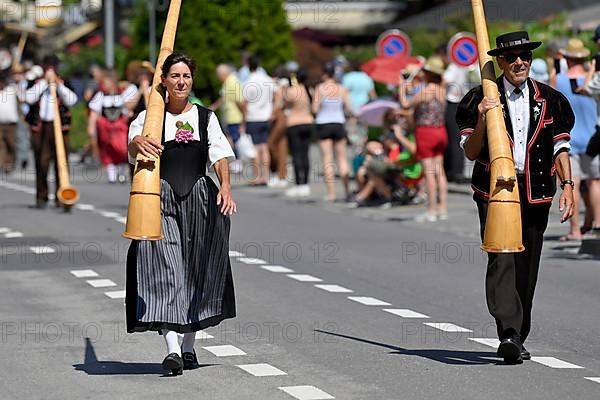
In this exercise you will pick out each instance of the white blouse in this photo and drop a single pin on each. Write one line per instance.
(218, 145)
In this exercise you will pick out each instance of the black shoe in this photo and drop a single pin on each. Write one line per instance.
(190, 361)
(510, 350)
(173, 363)
(41, 204)
(525, 354)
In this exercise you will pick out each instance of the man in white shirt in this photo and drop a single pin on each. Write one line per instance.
(257, 108)
(41, 119)
(9, 116)
(538, 120)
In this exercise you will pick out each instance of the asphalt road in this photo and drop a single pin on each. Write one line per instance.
(332, 303)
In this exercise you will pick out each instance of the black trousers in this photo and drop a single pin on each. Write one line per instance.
(511, 278)
(299, 142)
(454, 157)
(44, 151)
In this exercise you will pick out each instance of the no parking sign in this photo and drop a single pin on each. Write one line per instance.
(462, 49)
(393, 42)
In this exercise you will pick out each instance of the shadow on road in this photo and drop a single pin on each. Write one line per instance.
(451, 357)
(92, 366)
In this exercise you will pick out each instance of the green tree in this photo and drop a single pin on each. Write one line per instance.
(217, 31)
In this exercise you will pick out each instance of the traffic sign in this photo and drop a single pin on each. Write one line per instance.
(462, 49)
(393, 42)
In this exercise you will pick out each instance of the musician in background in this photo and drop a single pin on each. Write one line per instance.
(9, 117)
(538, 121)
(41, 120)
(183, 283)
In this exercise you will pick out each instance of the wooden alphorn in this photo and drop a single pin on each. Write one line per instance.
(503, 223)
(143, 214)
(67, 194)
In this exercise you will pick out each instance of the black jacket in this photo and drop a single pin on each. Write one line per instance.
(551, 119)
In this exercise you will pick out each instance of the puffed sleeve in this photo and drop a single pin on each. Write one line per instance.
(135, 129)
(563, 116)
(96, 103)
(218, 145)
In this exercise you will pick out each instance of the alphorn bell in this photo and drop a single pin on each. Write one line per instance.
(143, 214)
(503, 223)
(66, 193)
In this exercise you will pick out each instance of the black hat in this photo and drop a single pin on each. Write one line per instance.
(513, 40)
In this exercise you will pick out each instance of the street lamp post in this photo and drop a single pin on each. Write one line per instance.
(152, 30)
(109, 33)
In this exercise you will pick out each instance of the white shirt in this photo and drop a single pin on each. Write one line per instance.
(456, 79)
(101, 100)
(41, 90)
(258, 93)
(593, 88)
(9, 104)
(219, 146)
(518, 108)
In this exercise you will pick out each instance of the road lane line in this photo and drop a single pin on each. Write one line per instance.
(405, 313)
(101, 283)
(491, 342)
(597, 380)
(306, 393)
(85, 207)
(122, 220)
(118, 294)
(447, 327)
(109, 214)
(252, 261)
(555, 363)
(201, 335)
(233, 253)
(277, 269)
(304, 278)
(5, 230)
(11, 235)
(84, 273)
(369, 301)
(334, 288)
(41, 249)
(261, 370)
(225, 350)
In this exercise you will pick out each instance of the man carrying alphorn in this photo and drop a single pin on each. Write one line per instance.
(538, 121)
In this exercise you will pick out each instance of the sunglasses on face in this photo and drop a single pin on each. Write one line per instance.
(512, 57)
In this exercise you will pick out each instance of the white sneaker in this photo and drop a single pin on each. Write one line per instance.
(236, 167)
(303, 191)
(426, 217)
(292, 192)
(277, 183)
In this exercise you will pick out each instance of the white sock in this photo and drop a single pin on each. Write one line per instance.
(111, 170)
(187, 346)
(172, 342)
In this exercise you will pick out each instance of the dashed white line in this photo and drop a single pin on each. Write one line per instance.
(405, 313)
(201, 335)
(597, 380)
(5, 230)
(109, 214)
(369, 301)
(233, 253)
(447, 327)
(261, 370)
(252, 261)
(118, 294)
(334, 288)
(122, 220)
(42, 249)
(84, 273)
(101, 283)
(305, 278)
(11, 235)
(491, 342)
(306, 393)
(85, 207)
(225, 350)
(555, 363)
(277, 268)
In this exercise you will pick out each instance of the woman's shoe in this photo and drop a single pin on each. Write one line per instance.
(173, 363)
(190, 361)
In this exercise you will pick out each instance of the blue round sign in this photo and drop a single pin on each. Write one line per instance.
(393, 43)
(462, 49)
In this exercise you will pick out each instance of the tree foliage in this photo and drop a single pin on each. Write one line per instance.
(217, 31)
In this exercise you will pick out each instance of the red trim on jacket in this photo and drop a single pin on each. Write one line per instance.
(562, 136)
(536, 97)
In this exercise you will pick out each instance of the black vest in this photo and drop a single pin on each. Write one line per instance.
(182, 164)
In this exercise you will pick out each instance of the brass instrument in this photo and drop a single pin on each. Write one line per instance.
(143, 214)
(503, 224)
(66, 193)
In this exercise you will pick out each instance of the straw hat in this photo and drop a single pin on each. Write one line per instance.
(435, 65)
(575, 49)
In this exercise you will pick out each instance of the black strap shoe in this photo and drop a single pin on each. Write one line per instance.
(510, 350)
(173, 363)
(190, 361)
(525, 354)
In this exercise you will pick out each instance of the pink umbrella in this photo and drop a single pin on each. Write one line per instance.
(372, 113)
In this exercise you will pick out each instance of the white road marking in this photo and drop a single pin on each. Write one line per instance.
(334, 288)
(555, 363)
(201, 335)
(405, 313)
(233, 253)
(85, 207)
(252, 261)
(84, 273)
(447, 327)
(597, 380)
(101, 283)
(118, 294)
(491, 342)
(5, 230)
(10, 235)
(122, 220)
(277, 268)
(42, 249)
(109, 214)
(305, 278)
(306, 393)
(225, 350)
(262, 370)
(369, 301)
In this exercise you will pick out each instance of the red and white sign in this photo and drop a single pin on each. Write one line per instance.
(462, 49)
(393, 42)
